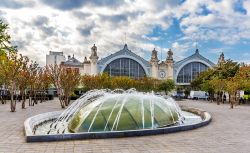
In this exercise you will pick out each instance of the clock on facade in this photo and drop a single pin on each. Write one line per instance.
(162, 74)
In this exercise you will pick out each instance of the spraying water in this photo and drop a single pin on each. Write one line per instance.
(117, 110)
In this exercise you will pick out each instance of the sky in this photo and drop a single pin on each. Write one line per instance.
(73, 26)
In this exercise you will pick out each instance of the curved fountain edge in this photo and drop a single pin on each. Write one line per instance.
(32, 121)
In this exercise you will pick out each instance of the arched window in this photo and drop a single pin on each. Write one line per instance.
(190, 71)
(125, 67)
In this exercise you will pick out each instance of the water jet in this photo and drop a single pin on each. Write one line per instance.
(118, 113)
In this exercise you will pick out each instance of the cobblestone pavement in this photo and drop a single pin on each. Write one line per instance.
(228, 132)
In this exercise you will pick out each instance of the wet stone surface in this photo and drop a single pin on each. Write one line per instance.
(228, 132)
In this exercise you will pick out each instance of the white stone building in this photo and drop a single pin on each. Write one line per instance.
(55, 58)
(126, 63)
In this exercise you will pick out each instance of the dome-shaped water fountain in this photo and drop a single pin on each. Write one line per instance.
(105, 113)
(125, 111)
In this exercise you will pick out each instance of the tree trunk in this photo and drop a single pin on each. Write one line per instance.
(2, 98)
(61, 101)
(238, 98)
(211, 97)
(43, 96)
(12, 102)
(217, 98)
(35, 100)
(231, 102)
(30, 97)
(66, 100)
(223, 97)
(23, 100)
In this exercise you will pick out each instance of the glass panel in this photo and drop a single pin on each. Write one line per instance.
(147, 114)
(125, 67)
(190, 71)
(133, 108)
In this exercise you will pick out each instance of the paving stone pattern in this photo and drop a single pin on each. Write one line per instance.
(229, 132)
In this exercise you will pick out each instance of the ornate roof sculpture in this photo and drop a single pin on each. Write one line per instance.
(221, 58)
(86, 60)
(93, 53)
(169, 58)
(154, 58)
(170, 55)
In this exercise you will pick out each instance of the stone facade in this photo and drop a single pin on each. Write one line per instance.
(54, 58)
(93, 61)
(126, 62)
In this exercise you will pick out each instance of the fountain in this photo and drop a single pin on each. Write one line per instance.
(118, 113)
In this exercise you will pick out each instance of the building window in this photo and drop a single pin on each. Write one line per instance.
(125, 67)
(190, 71)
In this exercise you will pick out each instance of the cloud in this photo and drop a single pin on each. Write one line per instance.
(220, 22)
(179, 49)
(13, 4)
(74, 4)
(115, 18)
(81, 15)
(42, 23)
(74, 26)
(41, 20)
(85, 30)
(150, 38)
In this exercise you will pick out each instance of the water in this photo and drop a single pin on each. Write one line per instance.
(97, 98)
(190, 118)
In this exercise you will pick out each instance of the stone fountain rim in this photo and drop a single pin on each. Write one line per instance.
(34, 120)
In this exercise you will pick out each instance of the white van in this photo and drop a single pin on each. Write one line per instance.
(198, 95)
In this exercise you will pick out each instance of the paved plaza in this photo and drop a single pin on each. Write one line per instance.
(228, 132)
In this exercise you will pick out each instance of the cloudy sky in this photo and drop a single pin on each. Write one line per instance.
(73, 26)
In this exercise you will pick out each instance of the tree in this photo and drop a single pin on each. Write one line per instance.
(146, 84)
(10, 64)
(167, 86)
(45, 82)
(89, 82)
(223, 72)
(206, 86)
(218, 85)
(33, 78)
(5, 45)
(232, 86)
(23, 80)
(202, 78)
(69, 79)
(121, 82)
(243, 77)
(214, 80)
(54, 72)
(10, 67)
(65, 80)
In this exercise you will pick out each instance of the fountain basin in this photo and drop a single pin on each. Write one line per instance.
(32, 122)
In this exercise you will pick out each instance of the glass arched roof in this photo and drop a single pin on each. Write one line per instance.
(190, 71)
(125, 67)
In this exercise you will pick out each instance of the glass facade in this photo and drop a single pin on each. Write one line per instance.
(190, 71)
(125, 67)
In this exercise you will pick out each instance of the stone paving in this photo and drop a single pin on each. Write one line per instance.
(229, 132)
